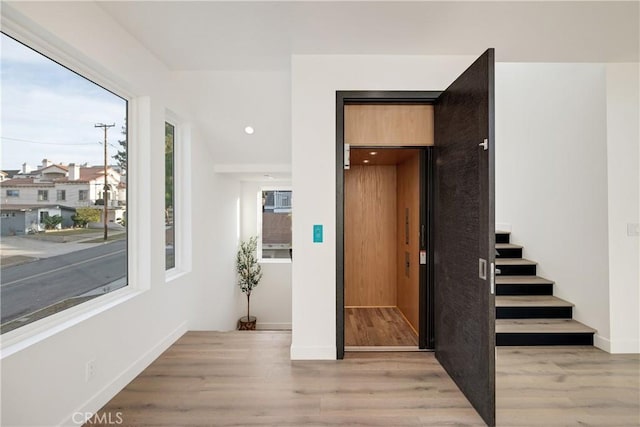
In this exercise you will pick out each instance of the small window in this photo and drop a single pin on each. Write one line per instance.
(83, 195)
(169, 196)
(276, 224)
(13, 193)
(61, 195)
(44, 216)
(43, 195)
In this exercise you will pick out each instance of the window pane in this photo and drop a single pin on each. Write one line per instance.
(169, 196)
(64, 219)
(276, 224)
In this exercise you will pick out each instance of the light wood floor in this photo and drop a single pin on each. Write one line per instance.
(377, 326)
(246, 379)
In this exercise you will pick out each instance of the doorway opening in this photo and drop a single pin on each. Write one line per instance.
(382, 227)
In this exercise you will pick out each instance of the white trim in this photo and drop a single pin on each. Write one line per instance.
(624, 346)
(503, 226)
(182, 196)
(602, 343)
(98, 400)
(313, 353)
(272, 326)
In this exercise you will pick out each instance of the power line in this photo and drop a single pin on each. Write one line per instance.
(44, 143)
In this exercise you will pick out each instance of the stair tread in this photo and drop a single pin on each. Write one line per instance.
(531, 301)
(549, 326)
(508, 246)
(514, 261)
(522, 280)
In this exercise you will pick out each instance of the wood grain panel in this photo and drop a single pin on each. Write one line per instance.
(370, 236)
(464, 233)
(382, 156)
(388, 124)
(408, 197)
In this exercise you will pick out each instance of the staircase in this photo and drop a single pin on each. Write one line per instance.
(527, 313)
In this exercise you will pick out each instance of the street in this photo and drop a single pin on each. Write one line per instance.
(29, 287)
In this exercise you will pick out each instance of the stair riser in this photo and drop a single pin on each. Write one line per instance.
(517, 270)
(508, 339)
(502, 238)
(534, 312)
(504, 289)
(509, 253)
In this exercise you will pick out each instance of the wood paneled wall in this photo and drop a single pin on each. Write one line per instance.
(408, 199)
(370, 236)
(388, 125)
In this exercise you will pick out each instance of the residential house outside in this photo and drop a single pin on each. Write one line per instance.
(57, 189)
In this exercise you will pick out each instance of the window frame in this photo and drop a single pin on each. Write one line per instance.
(43, 195)
(259, 212)
(181, 196)
(138, 148)
(63, 193)
(14, 192)
(85, 193)
(173, 195)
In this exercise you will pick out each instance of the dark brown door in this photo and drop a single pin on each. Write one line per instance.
(464, 232)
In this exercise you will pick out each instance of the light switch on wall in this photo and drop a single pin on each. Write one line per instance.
(633, 229)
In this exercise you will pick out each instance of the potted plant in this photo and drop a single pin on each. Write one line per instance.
(249, 275)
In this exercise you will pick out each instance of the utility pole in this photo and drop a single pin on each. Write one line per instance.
(105, 189)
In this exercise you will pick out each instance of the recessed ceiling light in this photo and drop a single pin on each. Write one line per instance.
(365, 161)
(248, 130)
(373, 153)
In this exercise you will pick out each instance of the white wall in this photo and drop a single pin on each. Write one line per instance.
(551, 178)
(623, 188)
(44, 382)
(315, 80)
(271, 300)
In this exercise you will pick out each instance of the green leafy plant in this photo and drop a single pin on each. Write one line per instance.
(248, 269)
(84, 216)
(52, 222)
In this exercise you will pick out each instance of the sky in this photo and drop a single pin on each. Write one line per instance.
(48, 111)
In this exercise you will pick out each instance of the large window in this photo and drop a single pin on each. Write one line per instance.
(275, 224)
(55, 256)
(169, 195)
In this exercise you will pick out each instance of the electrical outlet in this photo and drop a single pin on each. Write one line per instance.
(90, 370)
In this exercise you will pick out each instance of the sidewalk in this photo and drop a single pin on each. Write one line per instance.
(15, 250)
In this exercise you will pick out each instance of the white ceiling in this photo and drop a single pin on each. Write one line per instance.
(238, 35)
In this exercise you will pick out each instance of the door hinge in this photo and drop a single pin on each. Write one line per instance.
(347, 156)
(484, 144)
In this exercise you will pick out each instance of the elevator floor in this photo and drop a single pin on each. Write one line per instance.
(377, 326)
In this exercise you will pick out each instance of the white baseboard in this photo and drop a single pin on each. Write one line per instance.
(602, 343)
(271, 326)
(503, 226)
(625, 347)
(313, 353)
(98, 400)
